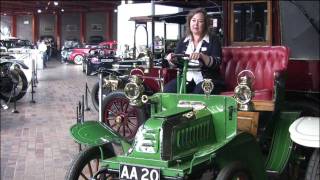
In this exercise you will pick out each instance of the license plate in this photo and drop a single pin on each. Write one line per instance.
(138, 173)
(106, 60)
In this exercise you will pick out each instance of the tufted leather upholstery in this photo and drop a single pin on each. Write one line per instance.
(263, 61)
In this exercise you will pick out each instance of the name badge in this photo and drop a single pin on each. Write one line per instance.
(203, 48)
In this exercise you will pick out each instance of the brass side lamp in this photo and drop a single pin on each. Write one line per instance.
(243, 93)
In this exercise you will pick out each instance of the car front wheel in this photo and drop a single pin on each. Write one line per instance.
(87, 163)
(78, 59)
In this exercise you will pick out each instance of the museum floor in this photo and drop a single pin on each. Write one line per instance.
(35, 143)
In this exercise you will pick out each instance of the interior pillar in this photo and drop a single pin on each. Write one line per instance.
(82, 27)
(58, 30)
(14, 26)
(35, 28)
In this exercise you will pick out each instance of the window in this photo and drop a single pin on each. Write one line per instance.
(250, 23)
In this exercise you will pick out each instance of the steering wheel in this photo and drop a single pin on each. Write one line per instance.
(185, 57)
(179, 59)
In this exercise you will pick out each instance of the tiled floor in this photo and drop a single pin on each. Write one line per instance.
(35, 143)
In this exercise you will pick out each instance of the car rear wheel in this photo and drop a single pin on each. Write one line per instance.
(78, 59)
(95, 94)
(88, 69)
(235, 170)
(119, 115)
(83, 67)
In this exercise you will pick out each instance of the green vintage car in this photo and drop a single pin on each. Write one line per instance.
(188, 136)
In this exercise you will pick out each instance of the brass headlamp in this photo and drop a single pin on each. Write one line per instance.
(133, 90)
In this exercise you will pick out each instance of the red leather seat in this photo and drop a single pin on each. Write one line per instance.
(263, 61)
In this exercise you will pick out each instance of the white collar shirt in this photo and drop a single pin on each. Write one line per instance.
(42, 47)
(195, 75)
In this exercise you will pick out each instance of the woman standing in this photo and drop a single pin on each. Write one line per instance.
(204, 52)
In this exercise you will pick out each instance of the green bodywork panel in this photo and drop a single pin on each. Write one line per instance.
(95, 133)
(281, 146)
(194, 137)
(221, 154)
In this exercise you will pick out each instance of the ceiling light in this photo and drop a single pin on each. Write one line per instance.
(62, 10)
(56, 3)
(115, 10)
(39, 11)
(4, 14)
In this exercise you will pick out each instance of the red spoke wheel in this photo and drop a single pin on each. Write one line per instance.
(121, 116)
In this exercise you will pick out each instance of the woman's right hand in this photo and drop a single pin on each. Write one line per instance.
(171, 59)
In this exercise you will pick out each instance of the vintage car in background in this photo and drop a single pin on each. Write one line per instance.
(15, 44)
(78, 54)
(151, 71)
(67, 48)
(97, 58)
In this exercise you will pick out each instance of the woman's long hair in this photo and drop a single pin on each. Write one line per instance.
(206, 20)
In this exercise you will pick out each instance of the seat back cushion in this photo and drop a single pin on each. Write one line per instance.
(263, 61)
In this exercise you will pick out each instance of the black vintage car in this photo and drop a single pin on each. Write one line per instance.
(98, 58)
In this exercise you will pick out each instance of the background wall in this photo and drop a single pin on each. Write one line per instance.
(24, 27)
(115, 26)
(46, 25)
(96, 24)
(70, 26)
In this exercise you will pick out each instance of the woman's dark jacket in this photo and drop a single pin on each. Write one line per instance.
(213, 49)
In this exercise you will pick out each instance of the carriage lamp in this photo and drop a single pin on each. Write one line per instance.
(92, 52)
(207, 86)
(242, 92)
(133, 90)
(111, 83)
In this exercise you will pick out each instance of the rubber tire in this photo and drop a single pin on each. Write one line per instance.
(95, 94)
(141, 114)
(308, 108)
(76, 62)
(85, 156)
(88, 70)
(228, 172)
(313, 169)
(24, 88)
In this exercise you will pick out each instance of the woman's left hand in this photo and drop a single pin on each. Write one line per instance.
(200, 56)
(195, 56)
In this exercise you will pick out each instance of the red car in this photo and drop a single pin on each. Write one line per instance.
(78, 54)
